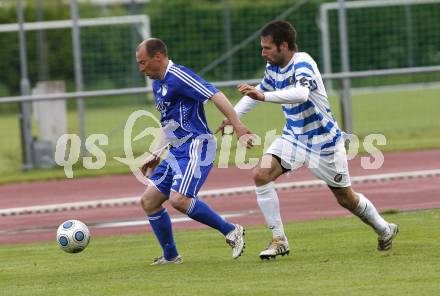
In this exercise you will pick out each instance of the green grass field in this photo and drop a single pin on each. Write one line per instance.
(329, 257)
(409, 120)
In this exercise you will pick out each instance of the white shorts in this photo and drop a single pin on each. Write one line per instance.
(332, 169)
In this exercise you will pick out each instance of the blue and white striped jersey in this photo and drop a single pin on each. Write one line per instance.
(310, 123)
(180, 96)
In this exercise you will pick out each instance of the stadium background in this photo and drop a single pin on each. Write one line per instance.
(405, 108)
(199, 34)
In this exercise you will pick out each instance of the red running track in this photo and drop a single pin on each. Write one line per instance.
(298, 204)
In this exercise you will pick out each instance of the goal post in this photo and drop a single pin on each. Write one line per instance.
(107, 46)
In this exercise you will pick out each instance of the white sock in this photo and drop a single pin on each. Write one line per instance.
(366, 211)
(267, 199)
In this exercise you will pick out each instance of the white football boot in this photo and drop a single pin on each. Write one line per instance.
(278, 246)
(385, 241)
(161, 260)
(235, 240)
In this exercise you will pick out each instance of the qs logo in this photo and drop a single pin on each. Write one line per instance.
(129, 159)
(67, 155)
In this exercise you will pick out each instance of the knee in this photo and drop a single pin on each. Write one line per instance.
(178, 202)
(146, 203)
(261, 177)
(150, 204)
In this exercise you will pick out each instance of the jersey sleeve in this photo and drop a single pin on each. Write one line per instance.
(192, 86)
(305, 74)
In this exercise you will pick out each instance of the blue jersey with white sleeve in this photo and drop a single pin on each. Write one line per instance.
(311, 123)
(180, 96)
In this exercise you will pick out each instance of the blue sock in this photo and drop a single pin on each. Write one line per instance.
(161, 224)
(202, 213)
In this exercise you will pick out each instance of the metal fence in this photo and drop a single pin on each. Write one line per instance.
(388, 45)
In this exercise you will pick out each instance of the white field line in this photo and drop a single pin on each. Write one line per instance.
(213, 193)
(178, 219)
(126, 223)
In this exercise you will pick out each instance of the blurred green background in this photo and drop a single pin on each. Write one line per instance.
(405, 108)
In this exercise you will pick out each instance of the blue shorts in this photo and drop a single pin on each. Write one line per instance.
(186, 167)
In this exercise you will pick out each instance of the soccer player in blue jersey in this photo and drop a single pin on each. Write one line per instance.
(311, 136)
(180, 95)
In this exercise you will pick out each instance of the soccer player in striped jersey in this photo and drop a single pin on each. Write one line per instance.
(311, 136)
(180, 95)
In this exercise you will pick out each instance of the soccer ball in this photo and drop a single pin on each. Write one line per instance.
(73, 236)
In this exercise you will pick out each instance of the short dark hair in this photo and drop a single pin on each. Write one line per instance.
(155, 45)
(281, 31)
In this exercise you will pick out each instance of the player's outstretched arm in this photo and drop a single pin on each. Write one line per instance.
(251, 91)
(243, 133)
(243, 106)
(291, 95)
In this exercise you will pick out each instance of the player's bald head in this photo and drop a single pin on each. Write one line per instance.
(152, 46)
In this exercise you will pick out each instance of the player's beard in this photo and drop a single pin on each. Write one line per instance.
(277, 59)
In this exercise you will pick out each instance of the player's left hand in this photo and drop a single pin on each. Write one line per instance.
(244, 135)
(150, 164)
(222, 128)
(251, 91)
